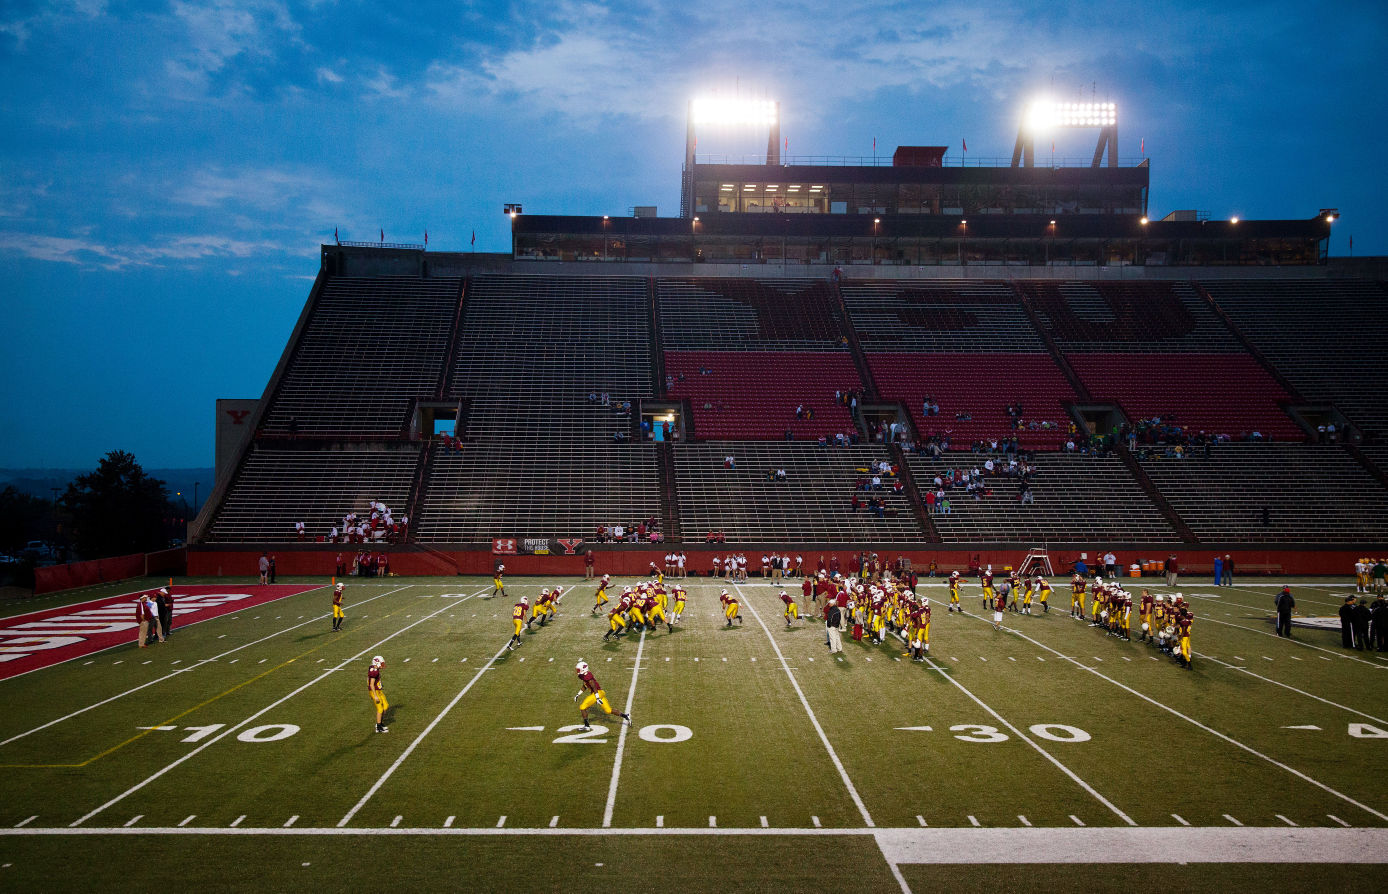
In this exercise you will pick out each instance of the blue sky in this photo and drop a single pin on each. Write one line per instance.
(167, 170)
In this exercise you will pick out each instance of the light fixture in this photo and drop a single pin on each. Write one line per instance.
(877, 220)
(1052, 223)
(717, 110)
(1234, 219)
(1143, 221)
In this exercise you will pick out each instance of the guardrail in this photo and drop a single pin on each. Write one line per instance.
(413, 246)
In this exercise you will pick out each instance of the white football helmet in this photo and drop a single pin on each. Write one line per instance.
(524, 601)
(581, 667)
(340, 587)
(378, 661)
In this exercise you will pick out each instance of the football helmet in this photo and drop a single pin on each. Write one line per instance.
(581, 668)
(377, 661)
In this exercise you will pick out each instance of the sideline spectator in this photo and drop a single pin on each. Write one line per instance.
(264, 569)
(1285, 603)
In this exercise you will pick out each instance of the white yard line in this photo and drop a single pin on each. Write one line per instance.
(1191, 720)
(420, 738)
(1294, 641)
(1027, 739)
(1292, 688)
(622, 737)
(185, 670)
(833, 756)
(270, 707)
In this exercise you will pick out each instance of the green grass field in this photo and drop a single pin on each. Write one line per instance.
(242, 753)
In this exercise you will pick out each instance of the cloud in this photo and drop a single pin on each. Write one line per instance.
(220, 31)
(84, 251)
(65, 250)
(298, 193)
(328, 76)
(48, 15)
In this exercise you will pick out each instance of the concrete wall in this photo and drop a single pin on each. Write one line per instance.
(234, 429)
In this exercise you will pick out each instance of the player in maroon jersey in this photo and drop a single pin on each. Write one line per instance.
(595, 695)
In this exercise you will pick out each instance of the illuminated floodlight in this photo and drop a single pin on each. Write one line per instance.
(717, 110)
(1234, 219)
(1143, 221)
(1044, 114)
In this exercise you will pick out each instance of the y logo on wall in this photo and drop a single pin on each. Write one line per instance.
(238, 417)
(570, 544)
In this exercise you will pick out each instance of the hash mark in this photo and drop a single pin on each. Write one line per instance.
(1284, 819)
(501, 822)
(1177, 818)
(22, 823)
(291, 821)
(448, 823)
(713, 822)
(660, 822)
(974, 820)
(1338, 820)
(763, 822)
(236, 822)
(1232, 820)
(1023, 820)
(395, 822)
(188, 819)
(1078, 821)
(815, 820)
(553, 821)
(920, 819)
(134, 819)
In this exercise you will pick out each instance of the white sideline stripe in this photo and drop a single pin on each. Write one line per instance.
(1172, 844)
(833, 756)
(420, 738)
(232, 729)
(622, 737)
(1043, 752)
(185, 669)
(1294, 689)
(1214, 732)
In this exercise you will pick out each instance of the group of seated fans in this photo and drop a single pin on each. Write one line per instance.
(879, 476)
(647, 531)
(377, 526)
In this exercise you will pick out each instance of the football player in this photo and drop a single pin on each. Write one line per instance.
(540, 610)
(1184, 619)
(654, 610)
(1043, 586)
(986, 581)
(337, 606)
(791, 611)
(1028, 590)
(954, 592)
(601, 595)
(680, 597)
(731, 608)
(595, 695)
(498, 588)
(518, 620)
(616, 622)
(1144, 609)
(1077, 586)
(919, 636)
(378, 695)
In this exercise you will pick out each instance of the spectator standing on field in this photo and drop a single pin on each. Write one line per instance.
(272, 569)
(1228, 570)
(264, 569)
(164, 601)
(588, 560)
(1218, 570)
(1171, 571)
(1347, 623)
(1361, 625)
(142, 617)
(833, 625)
(1285, 604)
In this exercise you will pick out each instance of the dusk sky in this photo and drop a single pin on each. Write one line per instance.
(168, 170)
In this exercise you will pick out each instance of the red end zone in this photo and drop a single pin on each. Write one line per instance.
(44, 638)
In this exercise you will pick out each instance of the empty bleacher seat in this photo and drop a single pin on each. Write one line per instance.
(811, 506)
(946, 315)
(277, 487)
(371, 346)
(1131, 315)
(754, 394)
(1311, 494)
(763, 315)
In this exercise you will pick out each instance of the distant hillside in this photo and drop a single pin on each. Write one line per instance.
(40, 482)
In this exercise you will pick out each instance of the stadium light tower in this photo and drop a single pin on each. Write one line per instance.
(1046, 115)
(723, 112)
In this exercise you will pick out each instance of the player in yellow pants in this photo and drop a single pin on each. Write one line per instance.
(617, 623)
(601, 595)
(1077, 597)
(954, 605)
(731, 609)
(596, 695)
(1045, 595)
(378, 695)
(679, 604)
(791, 612)
(338, 617)
(518, 621)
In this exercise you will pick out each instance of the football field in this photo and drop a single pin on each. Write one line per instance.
(242, 752)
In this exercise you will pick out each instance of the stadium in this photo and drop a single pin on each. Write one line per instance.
(871, 386)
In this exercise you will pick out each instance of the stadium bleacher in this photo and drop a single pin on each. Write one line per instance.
(535, 488)
(946, 316)
(758, 314)
(982, 386)
(1216, 393)
(811, 506)
(1076, 499)
(1325, 336)
(1134, 315)
(1312, 494)
(754, 394)
(277, 487)
(371, 346)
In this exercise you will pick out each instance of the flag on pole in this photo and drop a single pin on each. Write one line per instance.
(874, 145)
(474, 237)
(383, 234)
(1142, 147)
(335, 239)
(966, 145)
(426, 237)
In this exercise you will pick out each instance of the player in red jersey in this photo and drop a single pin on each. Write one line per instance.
(337, 607)
(999, 606)
(378, 695)
(791, 611)
(595, 695)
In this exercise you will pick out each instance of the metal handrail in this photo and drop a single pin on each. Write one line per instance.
(409, 245)
(949, 161)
